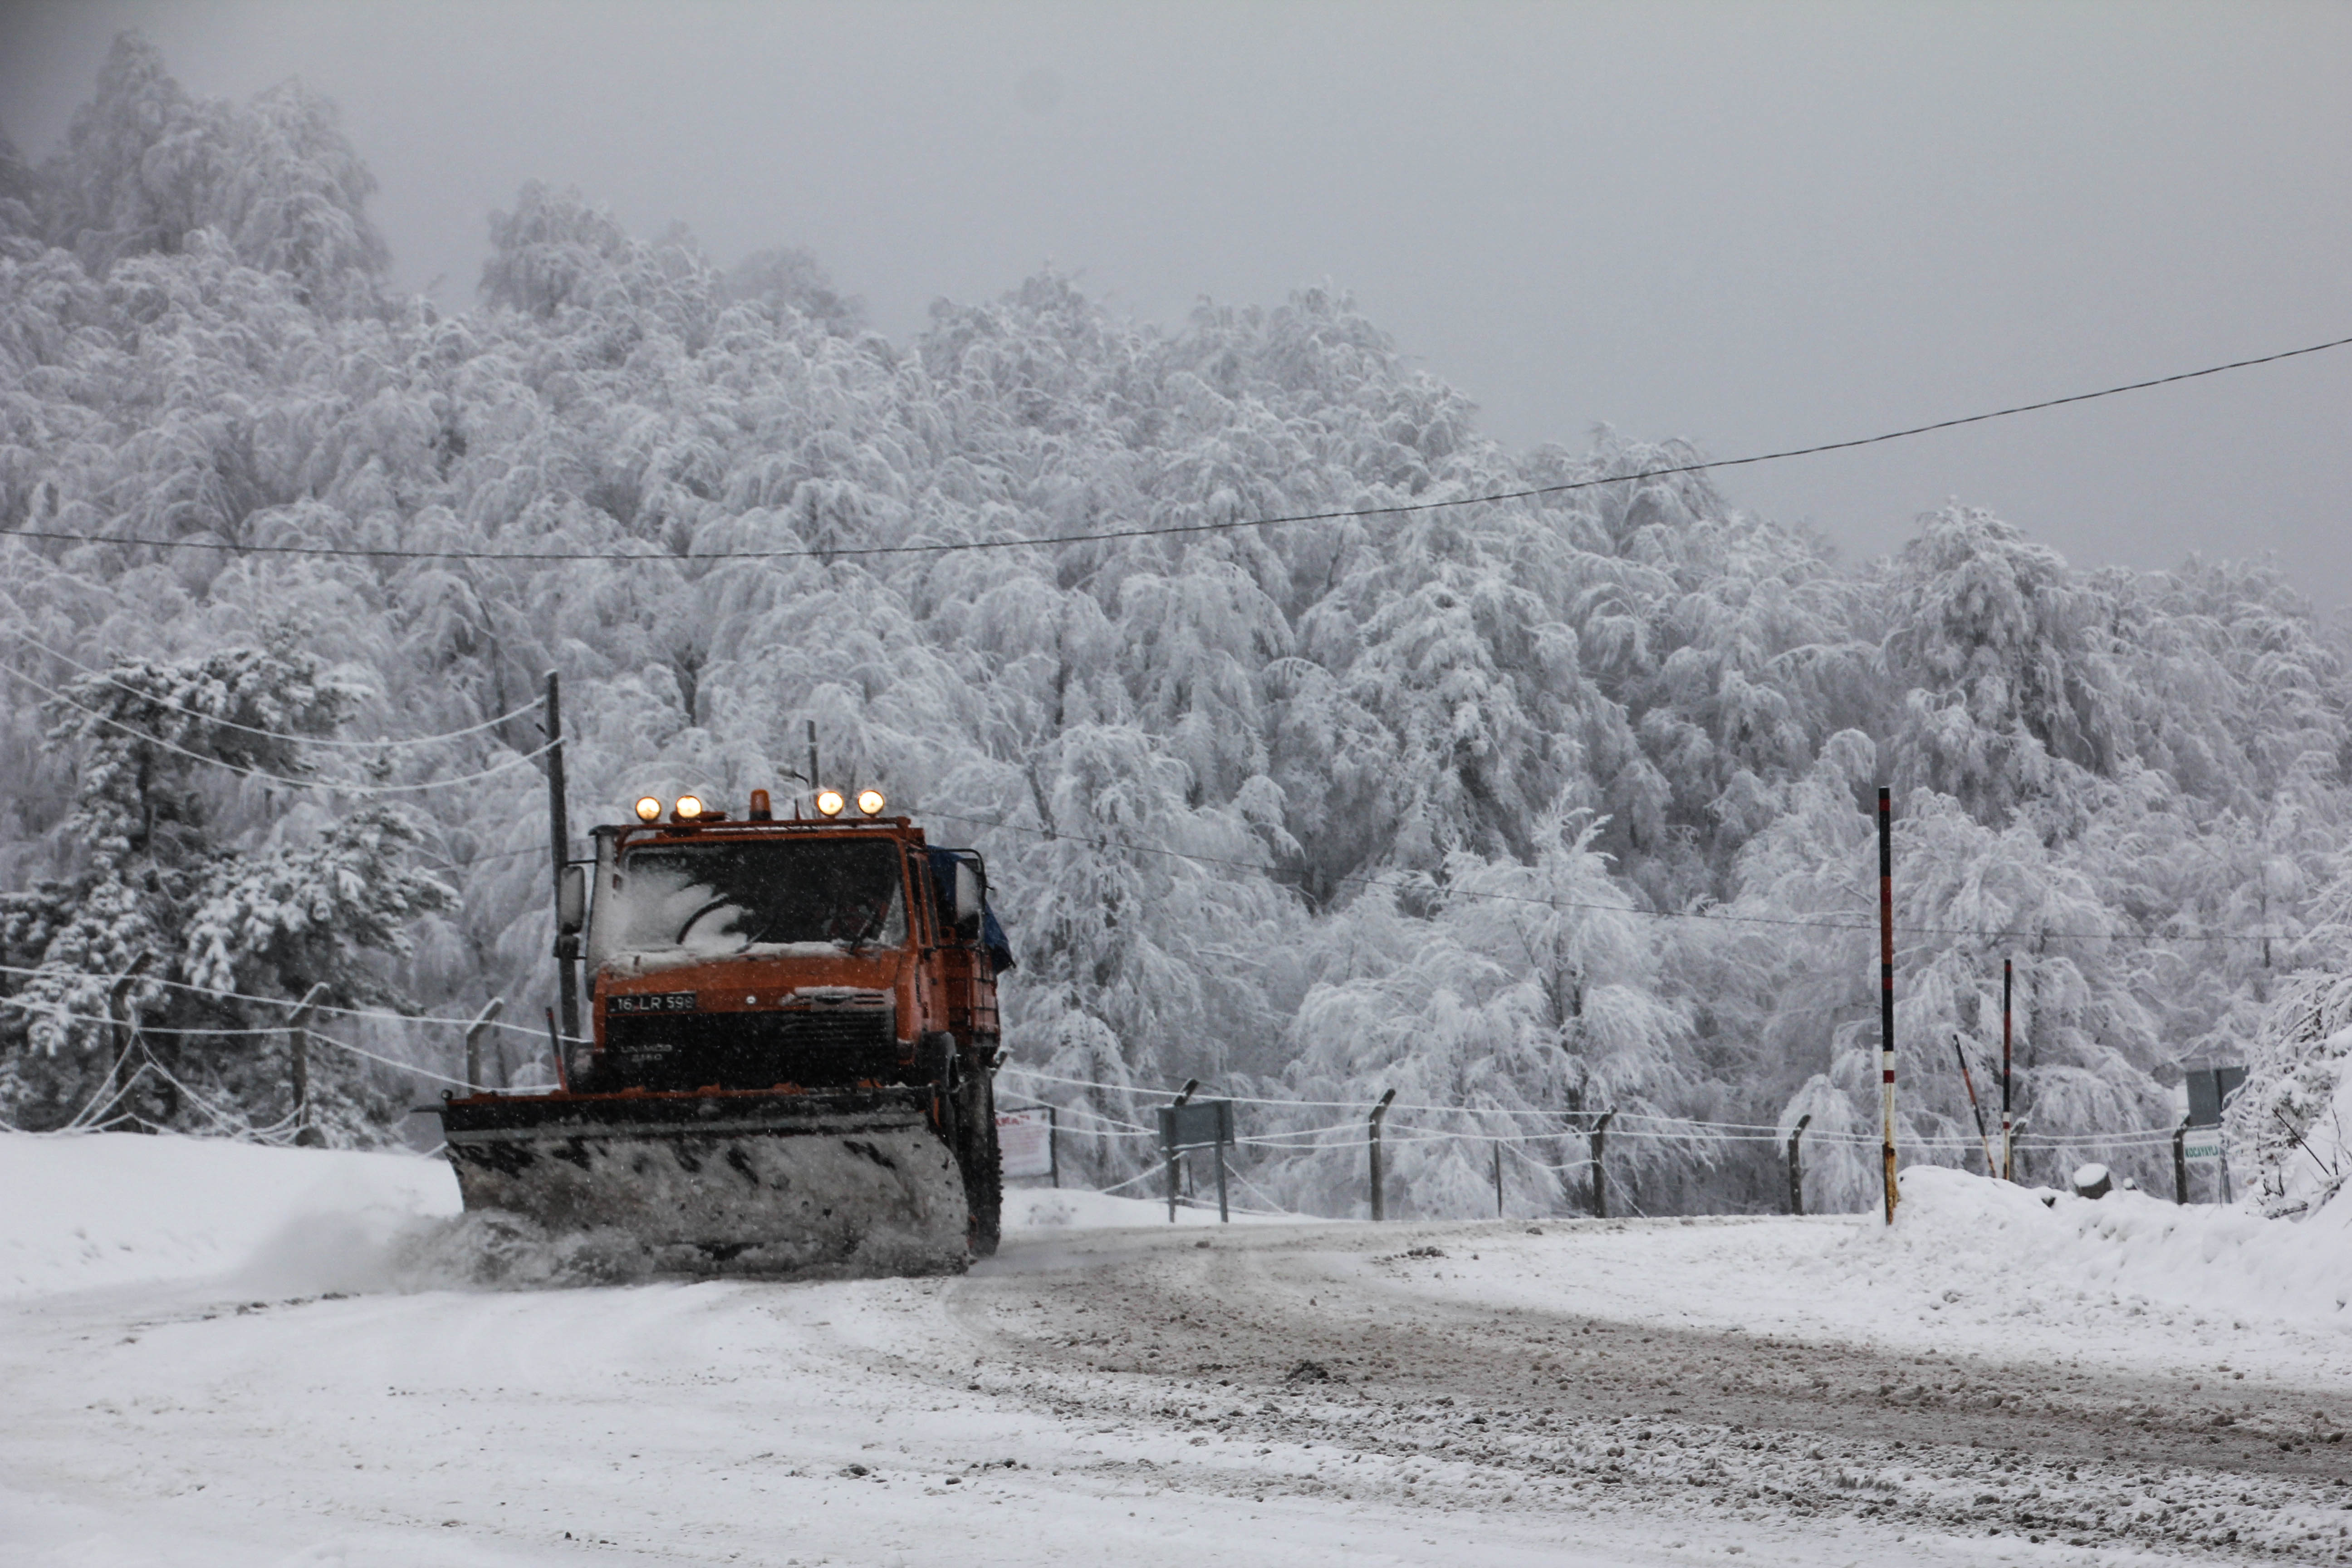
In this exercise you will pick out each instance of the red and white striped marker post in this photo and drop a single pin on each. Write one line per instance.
(1887, 991)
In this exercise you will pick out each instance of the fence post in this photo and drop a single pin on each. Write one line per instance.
(2007, 1145)
(1052, 1146)
(2181, 1162)
(555, 1046)
(1378, 1112)
(474, 1033)
(118, 1013)
(1225, 1132)
(1600, 1189)
(1797, 1166)
(305, 1135)
(1498, 1179)
(1181, 1096)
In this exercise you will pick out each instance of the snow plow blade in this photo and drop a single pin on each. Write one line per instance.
(751, 1182)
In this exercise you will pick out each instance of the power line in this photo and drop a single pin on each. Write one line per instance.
(1400, 509)
(270, 734)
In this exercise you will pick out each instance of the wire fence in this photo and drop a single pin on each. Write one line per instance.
(1558, 1144)
(1532, 1137)
(111, 1107)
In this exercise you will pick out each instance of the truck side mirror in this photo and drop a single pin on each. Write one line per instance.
(968, 896)
(571, 901)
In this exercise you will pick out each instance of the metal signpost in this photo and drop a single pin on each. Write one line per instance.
(1029, 1138)
(2210, 1090)
(1197, 1124)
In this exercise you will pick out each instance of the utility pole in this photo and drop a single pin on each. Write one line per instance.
(1886, 991)
(559, 835)
(1380, 1114)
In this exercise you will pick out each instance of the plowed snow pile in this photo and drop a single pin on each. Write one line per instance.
(117, 1209)
(1952, 1230)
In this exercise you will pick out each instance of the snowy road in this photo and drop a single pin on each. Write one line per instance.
(1330, 1346)
(1641, 1393)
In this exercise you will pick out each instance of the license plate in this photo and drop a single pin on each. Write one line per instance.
(651, 1002)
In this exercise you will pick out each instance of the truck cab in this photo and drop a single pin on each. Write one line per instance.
(746, 955)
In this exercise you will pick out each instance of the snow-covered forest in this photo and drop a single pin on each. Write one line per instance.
(1546, 806)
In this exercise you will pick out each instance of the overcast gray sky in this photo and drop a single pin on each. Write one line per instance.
(1752, 225)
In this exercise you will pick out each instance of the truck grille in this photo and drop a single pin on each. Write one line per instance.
(834, 1036)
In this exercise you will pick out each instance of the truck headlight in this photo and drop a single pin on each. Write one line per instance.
(828, 803)
(688, 808)
(648, 809)
(870, 802)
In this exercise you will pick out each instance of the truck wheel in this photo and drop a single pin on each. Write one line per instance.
(935, 1064)
(983, 1167)
(935, 1059)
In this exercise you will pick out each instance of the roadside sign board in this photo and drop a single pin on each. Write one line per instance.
(1196, 1124)
(2210, 1091)
(2201, 1143)
(1025, 1140)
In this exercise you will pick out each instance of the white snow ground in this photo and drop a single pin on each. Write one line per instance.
(214, 1354)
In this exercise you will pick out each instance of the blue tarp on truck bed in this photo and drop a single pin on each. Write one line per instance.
(943, 865)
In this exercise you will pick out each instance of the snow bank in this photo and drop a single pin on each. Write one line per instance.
(1952, 1225)
(116, 1208)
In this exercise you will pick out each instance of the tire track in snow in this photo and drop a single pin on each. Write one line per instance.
(1306, 1342)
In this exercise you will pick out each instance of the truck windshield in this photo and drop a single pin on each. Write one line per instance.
(716, 897)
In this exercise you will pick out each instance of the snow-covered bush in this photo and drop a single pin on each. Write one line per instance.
(2295, 1114)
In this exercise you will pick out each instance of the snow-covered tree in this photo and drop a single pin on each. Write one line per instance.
(174, 879)
(1542, 806)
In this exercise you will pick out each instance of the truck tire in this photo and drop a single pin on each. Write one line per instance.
(935, 1060)
(983, 1167)
(935, 1065)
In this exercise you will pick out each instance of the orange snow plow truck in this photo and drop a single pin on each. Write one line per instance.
(795, 1037)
